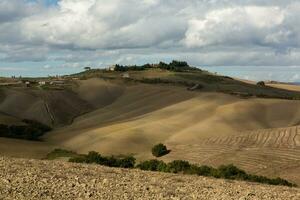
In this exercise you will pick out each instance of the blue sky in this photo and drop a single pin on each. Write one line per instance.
(51, 2)
(46, 2)
(254, 39)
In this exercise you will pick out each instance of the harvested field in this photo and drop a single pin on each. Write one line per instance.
(202, 127)
(33, 179)
(271, 152)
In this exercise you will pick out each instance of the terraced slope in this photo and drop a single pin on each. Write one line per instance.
(33, 179)
(272, 152)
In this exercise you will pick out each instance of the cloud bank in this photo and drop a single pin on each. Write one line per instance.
(100, 32)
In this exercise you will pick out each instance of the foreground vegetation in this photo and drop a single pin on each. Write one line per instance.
(224, 171)
(111, 161)
(177, 166)
(31, 130)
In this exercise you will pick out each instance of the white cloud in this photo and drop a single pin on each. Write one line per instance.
(236, 26)
(206, 32)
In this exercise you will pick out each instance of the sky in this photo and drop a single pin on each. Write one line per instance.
(251, 39)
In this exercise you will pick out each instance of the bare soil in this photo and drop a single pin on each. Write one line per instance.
(34, 179)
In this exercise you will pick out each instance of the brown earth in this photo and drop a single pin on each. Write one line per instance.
(259, 135)
(33, 179)
(285, 86)
(51, 107)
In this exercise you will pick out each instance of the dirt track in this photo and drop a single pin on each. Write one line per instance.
(33, 179)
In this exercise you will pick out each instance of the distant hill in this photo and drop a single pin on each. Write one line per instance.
(202, 117)
(181, 74)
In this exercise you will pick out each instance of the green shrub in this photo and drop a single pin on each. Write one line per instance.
(205, 170)
(149, 165)
(178, 66)
(224, 171)
(111, 161)
(261, 83)
(262, 179)
(78, 159)
(230, 172)
(177, 166)
(93, 157)
(126, 162)
(160, 150)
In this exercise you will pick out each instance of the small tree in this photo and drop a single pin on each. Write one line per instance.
(261, 83)
(87, 68)
(160, 150)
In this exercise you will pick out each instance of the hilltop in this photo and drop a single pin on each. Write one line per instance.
(179, 73)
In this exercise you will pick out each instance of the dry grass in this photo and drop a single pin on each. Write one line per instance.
(203, 127)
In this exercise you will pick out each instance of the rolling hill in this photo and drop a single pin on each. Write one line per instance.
(224, 121)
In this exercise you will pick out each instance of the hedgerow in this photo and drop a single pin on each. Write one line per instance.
(111, 161)
(178, 166)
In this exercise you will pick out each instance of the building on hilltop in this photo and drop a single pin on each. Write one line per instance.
(42, 82)
(111, 68)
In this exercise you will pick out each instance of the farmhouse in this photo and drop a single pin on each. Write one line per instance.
(112, 68)
(42, 82)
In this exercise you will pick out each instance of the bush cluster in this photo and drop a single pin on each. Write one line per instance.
(224, 171)
(122, 68)
(177, 166)
(261, 83)
(32, 130)
(178, 66)
(111, 161)
(160, 150)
